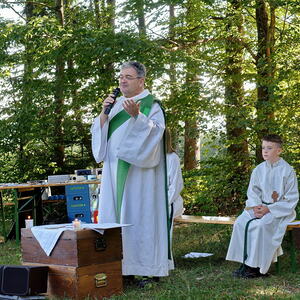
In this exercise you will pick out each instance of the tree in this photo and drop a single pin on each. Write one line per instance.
(265, 65)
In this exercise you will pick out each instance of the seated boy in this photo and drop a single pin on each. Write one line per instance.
(272, 197)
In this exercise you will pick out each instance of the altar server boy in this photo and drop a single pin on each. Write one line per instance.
(271, 200)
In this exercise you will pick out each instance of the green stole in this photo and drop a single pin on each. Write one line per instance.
(123, 166)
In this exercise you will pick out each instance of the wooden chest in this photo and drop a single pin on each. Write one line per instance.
(75, 248)
(95, 281)
(83, 263)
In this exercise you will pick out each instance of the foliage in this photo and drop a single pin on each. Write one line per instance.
(215, 189)
(195, 58)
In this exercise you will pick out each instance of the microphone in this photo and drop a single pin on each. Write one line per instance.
(115, 93)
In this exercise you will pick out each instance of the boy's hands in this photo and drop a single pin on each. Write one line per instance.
(260, 211)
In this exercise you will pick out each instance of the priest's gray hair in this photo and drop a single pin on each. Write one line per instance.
(139, 68)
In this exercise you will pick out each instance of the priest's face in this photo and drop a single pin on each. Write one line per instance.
(271, 151)
(130, 84)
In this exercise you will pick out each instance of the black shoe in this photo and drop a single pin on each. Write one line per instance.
(129, 280)
(250, 274)
(147, 281)
(264, 275)
(246, 272)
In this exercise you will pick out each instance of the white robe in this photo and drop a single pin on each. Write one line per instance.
(139, 142)
(175, 184)
(265, 235)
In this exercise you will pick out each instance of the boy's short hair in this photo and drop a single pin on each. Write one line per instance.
(274, 138)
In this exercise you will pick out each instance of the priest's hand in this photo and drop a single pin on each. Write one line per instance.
(131, 107)
(107, 101)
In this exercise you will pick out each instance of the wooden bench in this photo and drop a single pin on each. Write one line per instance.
(205, 219)
(231, 220)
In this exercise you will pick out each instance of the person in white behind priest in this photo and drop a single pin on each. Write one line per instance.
(271, 200)
(175, 181)
(129, 141)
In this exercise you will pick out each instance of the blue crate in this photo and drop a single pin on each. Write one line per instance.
(78, 202)
(81, 214)
(77, 189)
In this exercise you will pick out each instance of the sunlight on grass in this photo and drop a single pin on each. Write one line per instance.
(272, 291)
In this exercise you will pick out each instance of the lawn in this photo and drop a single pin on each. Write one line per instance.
(202, 278)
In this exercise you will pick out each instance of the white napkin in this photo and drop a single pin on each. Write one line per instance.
(48, 235)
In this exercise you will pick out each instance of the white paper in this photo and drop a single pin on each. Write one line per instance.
(197, 255)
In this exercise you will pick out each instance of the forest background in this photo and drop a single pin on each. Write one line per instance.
(227, 73)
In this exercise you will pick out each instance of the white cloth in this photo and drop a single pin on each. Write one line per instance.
(139, 142)
(48, 235)
(265, 235)
(175, 184)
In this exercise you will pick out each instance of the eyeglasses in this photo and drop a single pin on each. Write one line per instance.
(128, 77)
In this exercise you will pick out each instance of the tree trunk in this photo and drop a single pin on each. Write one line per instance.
(239, 162)
(265, 72)
(141, 18)
(172, 120)
(82, 132)
(97, 13)
(191, 134)
(111, 12)
(234, 94)
(59, 148)
(26, 103)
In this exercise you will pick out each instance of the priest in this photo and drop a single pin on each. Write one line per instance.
(130, 142)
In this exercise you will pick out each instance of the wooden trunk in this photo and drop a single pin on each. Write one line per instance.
(95, 281)
(75, 248)
(83, 263)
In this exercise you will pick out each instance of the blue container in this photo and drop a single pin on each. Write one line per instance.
(78, 202)
(83, 215)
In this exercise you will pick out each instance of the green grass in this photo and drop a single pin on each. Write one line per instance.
(202, 278)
